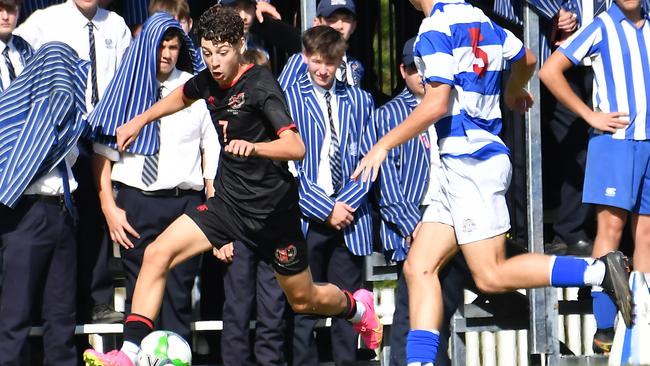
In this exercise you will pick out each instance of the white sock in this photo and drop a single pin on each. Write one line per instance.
(131, 350)
(647, 279)
(594, 274)
(361, 309)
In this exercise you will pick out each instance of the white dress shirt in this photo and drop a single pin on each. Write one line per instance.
(65, 23)
(182, 137)
(16, 60)
(324, 172)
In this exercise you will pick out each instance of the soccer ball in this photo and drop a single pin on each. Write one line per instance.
(163, 347)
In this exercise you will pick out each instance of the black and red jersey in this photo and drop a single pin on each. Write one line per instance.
(253, 109)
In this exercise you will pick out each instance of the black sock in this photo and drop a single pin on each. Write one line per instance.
(350, 306)
(136, 327)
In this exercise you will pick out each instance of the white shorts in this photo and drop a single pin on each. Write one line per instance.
(472, 197)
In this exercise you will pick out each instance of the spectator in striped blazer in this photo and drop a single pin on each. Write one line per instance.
(404, 192)
(100, 36)
(41, 120)
(340, 15)
(336, 122)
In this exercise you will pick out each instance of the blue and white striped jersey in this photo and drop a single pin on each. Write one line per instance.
(620, 60)
(460, 46)
(404, 177)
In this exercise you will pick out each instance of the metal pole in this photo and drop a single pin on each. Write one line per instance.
(543, 335)
(307, 13)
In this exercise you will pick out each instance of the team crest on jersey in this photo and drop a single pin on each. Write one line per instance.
(237, 101)
(286, 256)
(109, 43)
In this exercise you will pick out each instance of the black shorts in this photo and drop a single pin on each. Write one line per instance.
(277, 239)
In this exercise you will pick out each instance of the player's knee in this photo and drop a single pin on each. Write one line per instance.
(415, 270)
(489, 282)
(156, 257)
(300, 303)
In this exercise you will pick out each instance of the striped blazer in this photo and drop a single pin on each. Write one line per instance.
(404, 176)
(295, 67)
(41, 119)
(133, 89)
(357, 135)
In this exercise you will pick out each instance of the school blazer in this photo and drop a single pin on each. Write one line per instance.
(403, 177)
(357, 135)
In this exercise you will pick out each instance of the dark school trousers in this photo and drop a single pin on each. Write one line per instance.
(453, 279)
(40, 267)
(250, 288)
(565, 137)
(94, 247)
(150, 216)
(329, 261)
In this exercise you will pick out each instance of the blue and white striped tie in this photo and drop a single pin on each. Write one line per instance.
(335, 153)
(150, 166)
(10, 66)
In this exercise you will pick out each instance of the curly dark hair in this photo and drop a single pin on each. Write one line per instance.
(221, 24)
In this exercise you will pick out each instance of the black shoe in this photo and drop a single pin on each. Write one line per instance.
(603, 340)
(581, 248)
(555, 248)
(616, 283)
(106, 314)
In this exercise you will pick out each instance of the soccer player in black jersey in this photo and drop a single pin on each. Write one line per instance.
(256, 198)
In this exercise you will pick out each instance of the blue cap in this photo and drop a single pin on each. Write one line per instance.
(327, 7)
(234, 2)
(407, 52)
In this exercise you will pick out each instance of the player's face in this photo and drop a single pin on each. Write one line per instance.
(412, 79)
(186, 24)
(222, 60)
(168, 52)
(322, 70)
(246, 13)
(8, 18)
(342, 21)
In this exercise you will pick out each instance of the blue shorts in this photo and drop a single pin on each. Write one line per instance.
(618, 174)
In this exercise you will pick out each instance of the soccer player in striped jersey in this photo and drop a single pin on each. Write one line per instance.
(460, 54)
(616, 178)
(255, 198)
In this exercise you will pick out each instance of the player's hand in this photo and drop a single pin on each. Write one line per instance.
(263, 7)
(118, 227)
(519, 100)
(608, 122)
(128, 132)
(567, 21)
(341, 216)
(240, 148)
(368, 167)
(226, 253)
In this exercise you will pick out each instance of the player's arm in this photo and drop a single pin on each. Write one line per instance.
(170, 104)
(517, 97)
(552, 75)
(434, 105)
(118, 225)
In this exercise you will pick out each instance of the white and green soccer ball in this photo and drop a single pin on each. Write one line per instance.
(162, 348)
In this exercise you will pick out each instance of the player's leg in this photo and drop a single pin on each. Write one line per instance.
(182, 240)
(434, 246)
(610, 224)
